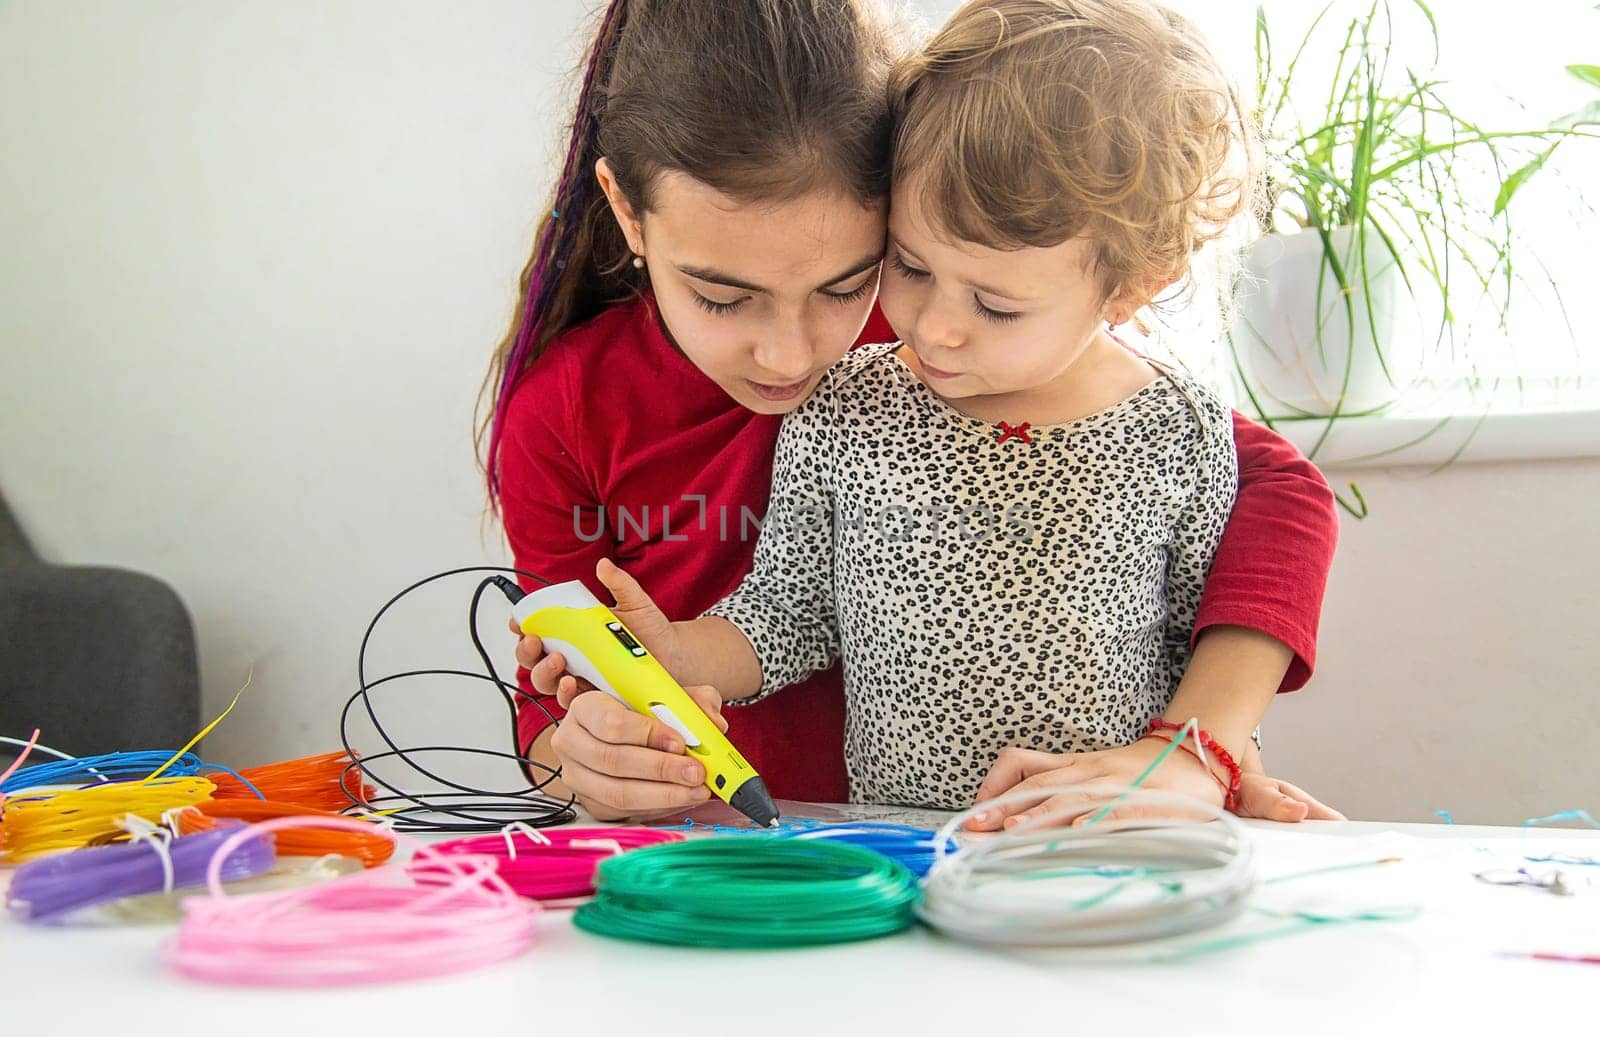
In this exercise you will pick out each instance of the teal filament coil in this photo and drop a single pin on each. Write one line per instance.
(732, 892)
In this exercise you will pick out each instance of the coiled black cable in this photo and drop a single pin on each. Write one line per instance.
(460, 807)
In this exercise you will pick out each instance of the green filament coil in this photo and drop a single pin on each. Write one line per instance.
(732, 892)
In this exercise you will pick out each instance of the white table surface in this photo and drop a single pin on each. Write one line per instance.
(1437, 973)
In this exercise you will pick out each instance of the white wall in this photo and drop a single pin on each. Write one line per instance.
(1459, 649)
(253, 258)
(253, 261)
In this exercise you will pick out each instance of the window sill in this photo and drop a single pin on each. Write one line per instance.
(1417, 440)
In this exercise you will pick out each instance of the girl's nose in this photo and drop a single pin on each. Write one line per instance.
(786, 353)
(937, 326)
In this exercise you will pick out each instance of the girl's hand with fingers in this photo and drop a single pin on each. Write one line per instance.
(1023, 769)
(1273, 800)
(618, 763)
(622, 765)
(636, 610)
(1260, 796)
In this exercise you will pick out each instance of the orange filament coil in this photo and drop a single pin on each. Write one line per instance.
(371, 850)
(37, 824)
(325, 782)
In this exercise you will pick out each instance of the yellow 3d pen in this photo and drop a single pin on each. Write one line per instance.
(599, 649)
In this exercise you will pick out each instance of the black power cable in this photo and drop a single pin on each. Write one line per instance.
(466, 809)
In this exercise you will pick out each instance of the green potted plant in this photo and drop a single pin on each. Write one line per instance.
(1385, 221)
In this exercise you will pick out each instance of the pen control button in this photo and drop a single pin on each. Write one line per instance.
(665, 714)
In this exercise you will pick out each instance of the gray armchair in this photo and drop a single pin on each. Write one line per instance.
(98, 659)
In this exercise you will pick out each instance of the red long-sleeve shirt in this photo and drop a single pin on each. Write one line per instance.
(616, 445)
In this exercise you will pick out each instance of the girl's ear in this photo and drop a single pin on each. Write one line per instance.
(621, 208)
(1131, 298)
(1121, 306)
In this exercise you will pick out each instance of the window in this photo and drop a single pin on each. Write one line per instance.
(1502, 71)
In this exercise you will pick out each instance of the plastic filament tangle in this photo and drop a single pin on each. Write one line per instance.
(435, 915)
(1044, 883)
(916, 848)
(167, 908)
(109, 767)
(371, 847)
(39, 823)
(49, 889)
(744, 892)
(323, 782)
(555, 865)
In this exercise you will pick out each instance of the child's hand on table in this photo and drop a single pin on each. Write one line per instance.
(619, 763)
(1273, 800)
(1017, 769)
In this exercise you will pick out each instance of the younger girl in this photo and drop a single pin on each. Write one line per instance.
(711, 250)
(1004, 524)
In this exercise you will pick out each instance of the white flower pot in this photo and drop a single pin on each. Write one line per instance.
(1303, 356)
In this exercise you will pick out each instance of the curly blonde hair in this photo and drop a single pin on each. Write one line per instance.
(1029, 122)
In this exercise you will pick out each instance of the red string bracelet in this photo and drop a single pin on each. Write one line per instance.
(1212, 746)
(1186, 747)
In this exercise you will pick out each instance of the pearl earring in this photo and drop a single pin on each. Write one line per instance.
(638, 262)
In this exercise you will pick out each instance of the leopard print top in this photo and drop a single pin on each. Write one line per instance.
(987, 586)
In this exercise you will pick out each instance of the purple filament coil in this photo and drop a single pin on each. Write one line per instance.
(47, 889)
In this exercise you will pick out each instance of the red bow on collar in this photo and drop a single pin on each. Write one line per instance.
(1008, 431)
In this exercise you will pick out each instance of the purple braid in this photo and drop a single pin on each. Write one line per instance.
(559, 234)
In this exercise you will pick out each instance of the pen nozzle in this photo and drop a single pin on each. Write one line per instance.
(753, 801)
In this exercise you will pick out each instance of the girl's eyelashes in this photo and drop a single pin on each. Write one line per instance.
(910, 273)
(721, 309)
(855, 294)
(998, 316)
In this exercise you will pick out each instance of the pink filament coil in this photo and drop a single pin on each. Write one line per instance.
(437, 914)
(554, 864)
